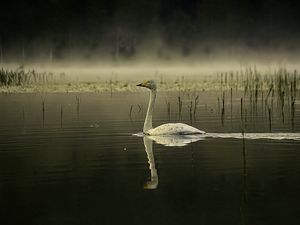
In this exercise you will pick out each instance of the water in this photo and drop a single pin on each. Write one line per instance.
(87, 167)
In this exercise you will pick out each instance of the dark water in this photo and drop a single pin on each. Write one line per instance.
(86, 167)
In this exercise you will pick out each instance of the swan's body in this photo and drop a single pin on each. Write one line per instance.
(173, 129)
(164, 129)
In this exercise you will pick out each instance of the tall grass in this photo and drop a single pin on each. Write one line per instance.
(276, 91)
(22, 77)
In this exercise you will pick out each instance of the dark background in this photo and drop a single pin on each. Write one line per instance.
(63, 29)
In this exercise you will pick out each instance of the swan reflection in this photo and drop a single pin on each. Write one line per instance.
(183, 140)
(172, 140)
(153, 183)
(176, 140)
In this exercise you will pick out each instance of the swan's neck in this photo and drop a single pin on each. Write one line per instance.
(148, 120)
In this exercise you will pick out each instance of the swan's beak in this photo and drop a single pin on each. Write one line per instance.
(141, 85)
(145, 84)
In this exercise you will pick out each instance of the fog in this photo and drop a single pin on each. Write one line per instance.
(97, 38)
(148, 65)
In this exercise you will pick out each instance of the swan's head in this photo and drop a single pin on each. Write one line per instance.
(150, 84)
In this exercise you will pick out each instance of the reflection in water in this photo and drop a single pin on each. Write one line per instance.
(171, 140)
(253, 136)
(153, 183)
(183, 140)
(50, 175)
(176, 140)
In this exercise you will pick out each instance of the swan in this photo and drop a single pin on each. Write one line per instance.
(164, 129)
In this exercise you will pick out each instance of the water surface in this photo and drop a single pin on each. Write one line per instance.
(86, 167)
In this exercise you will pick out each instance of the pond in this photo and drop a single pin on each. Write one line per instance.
(79, 158)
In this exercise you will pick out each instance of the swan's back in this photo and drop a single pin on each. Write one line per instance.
(174, 129)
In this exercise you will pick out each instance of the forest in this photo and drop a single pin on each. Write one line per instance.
(115, 29)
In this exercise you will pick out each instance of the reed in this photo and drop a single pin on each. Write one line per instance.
(293, 114)
(61, 116)
(169, 110)
(244, 155)
(231, 102)
(262, 101)
(179, 107)
(195, 106)
(223, 108)
(77, 106)
(43, 111)
(111, 87)
(22, 77)
(245, 192)
(293, 94)
(270, 118)
(130, 111)
(223, 102)
(190, 107)
(218, 105)
(256, 98)
(242, 106)
(282, 106)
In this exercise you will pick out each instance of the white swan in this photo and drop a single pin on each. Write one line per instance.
(164, 129)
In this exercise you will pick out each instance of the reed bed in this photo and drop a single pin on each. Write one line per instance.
(254, 84)
(260, 93)
(22, 77)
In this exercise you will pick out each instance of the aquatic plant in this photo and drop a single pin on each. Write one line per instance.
(22, 77)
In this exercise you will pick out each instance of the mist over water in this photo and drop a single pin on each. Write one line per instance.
(84, 71)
